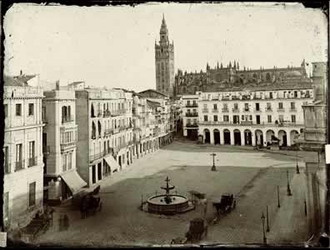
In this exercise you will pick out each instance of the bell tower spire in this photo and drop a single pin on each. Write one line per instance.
(164, 51)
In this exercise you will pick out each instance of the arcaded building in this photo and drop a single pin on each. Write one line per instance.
(23, 165)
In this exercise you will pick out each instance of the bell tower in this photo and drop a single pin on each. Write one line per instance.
(164, 55)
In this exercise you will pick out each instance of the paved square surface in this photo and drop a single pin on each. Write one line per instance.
(251, 175)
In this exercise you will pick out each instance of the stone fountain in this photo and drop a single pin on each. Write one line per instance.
(168, 204)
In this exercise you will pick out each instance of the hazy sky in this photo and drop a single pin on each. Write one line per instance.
(114, 46)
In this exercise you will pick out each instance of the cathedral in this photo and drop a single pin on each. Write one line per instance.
(218, 78)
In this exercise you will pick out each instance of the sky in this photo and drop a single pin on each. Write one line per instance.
(113, 46)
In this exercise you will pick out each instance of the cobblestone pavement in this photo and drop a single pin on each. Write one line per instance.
(251, 175)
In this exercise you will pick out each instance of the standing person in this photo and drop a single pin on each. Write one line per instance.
(66, 222)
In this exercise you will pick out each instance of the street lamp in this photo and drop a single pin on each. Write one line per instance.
(278, 197)
(297, 167)
(213, 166)
(288, 185)
(268, 229)
(263, 228)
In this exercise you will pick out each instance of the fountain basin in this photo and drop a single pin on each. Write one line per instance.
(178, 204)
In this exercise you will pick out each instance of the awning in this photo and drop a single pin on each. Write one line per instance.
(111, 162)
(74, 181)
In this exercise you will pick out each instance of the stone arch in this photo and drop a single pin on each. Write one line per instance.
(269, 135)
(216, 134)
(282, 136)
(237, 137)
(259, 137)
(248, 137)
(207, 136)
(226, 136)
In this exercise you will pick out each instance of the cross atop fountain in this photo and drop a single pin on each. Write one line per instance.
(168, 187)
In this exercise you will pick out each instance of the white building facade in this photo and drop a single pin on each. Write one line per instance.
(23, 165)
(253, 117)
(59, 143)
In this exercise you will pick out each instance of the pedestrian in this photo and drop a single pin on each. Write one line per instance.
(66, 222)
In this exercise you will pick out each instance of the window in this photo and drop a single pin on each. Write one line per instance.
(205, 106)
(215, 107)
(280, 105)
(295, 94)
(257, 106)
(293, 118)
(269, 118)
(205, 118)
(6, 160)
(250, 117)
(194, 103)
(246, 106)
(281, 118)
(64, 157)
(225, 106)
(293, 106)
(243, 117)
(235, 105)
(6, 110)
(269, 106)
(32, 161)
(271, 95)
(195, 122)
(18, 109)
(70, 161)
(215, 118)
(226, 118)
(32, 194)
(188, 121)
(19, 164)
(6, 205)
(31, 109)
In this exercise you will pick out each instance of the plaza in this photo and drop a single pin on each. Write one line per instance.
(251, 175)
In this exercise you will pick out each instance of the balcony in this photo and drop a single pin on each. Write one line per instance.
(192, 125)
(280, 110)
(225, 110)
(235, 110)
(67, 145)
(215, 110)
(19, 165)
(205, 110)
(225, 98)
(192, 114)
(108, 131)
(67, 119)
(96, 156)
(246, 110)
(293, 110)
(106, 113)
(32, 162)
(246, 123)
(192, 105)
(268, 109)
(257, 110)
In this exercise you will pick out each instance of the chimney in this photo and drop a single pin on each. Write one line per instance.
(57, 85)
(21, 72)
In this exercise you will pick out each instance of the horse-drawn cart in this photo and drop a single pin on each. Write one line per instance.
(226, 204)
(88, 202)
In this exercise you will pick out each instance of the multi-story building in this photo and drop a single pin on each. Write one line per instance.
(253, 116)
(60, 137)
(163, 114)
(190, 116)
(315, 113)
(105, 134)
(164, 55)
(23, 165)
